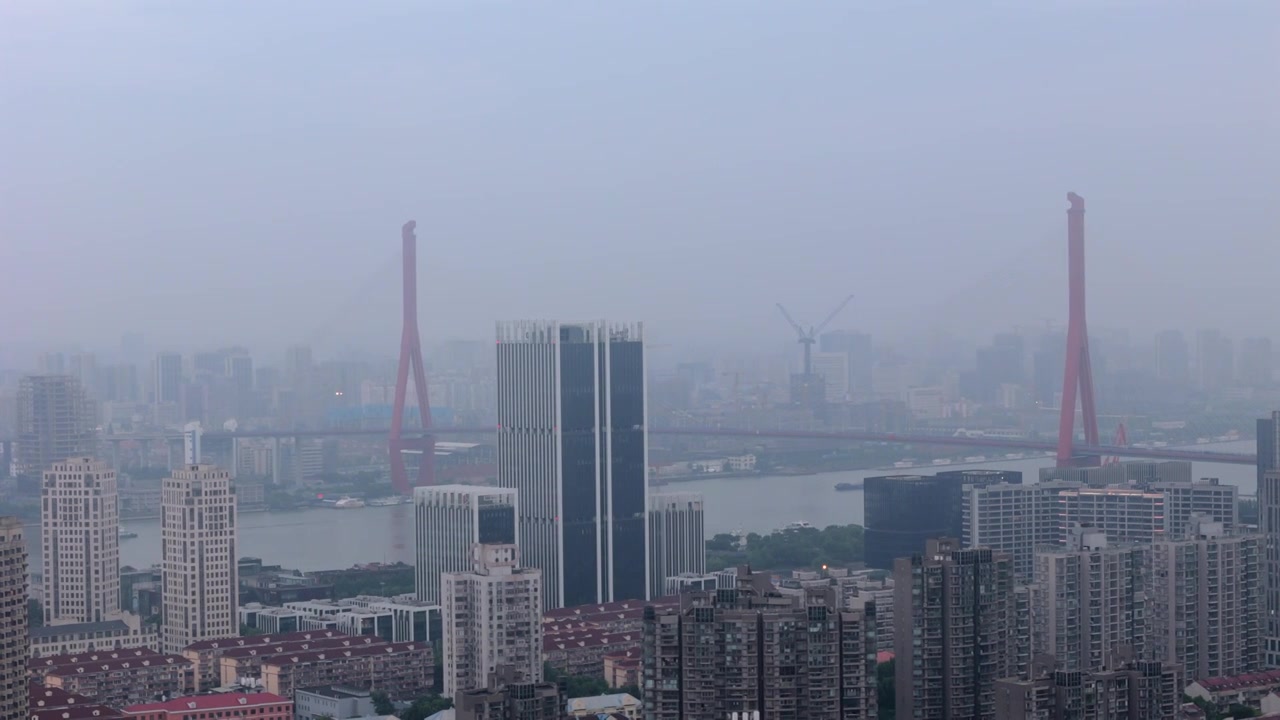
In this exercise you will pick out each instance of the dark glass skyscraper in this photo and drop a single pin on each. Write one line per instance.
(903, 512)
(572, 441)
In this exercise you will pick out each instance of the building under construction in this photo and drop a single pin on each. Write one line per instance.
(55, 422)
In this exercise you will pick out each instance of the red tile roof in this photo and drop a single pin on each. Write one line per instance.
(1240, 682)
(286, 659)
(590, 640)
(579, 612)
(253, 640)
(302, 646)
(220, 701)
(51, 703)
(55, 661)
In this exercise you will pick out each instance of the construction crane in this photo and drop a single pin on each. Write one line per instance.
(807, 339)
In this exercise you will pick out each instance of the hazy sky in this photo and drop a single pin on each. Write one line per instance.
(216, 172)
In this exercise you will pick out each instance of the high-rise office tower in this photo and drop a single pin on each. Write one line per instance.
(861, 359)
(14, 647)
(903, 512)
(1256, 362)
(240, 369)
(198, 557)
(1173, 360)
(752, 651)
(1268, 445)
(84, 368)
(166, 378)
(1269, 525)
(677, 538)
(80, 532)
(1215, 361)
(957, 629)
(449, 521)
(1205, 602)
(952, 484)
(492, 620)
(1087, 605)
(572, 441)
(55, 422)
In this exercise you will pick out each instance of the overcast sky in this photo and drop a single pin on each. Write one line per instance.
(209, 173)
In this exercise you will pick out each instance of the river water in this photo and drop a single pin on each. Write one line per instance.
(321, 538)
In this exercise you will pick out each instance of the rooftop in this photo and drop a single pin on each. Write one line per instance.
(58, 661)
(587, 612)
(590, 640)
(237, 642)
(224, 701)
(335, 691)
(284, 659)
(106, 626)
(342, 641)
(602, 702)
(1237, 682)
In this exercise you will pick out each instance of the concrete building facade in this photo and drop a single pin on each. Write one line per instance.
(1205, 602)
(1014, 519)
(199, 570)
(80, 532)
(492, 618)
(13, 620)
(1087, 602)
(449, 521)
(752, 651)
(677, 539)
(958, 628)
(55, 422)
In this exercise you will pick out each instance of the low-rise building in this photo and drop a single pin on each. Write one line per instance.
(617, 705)
(622, 669)
(240, 664)
(205, 656)
(1135, 691)
(117, 678)
(50, 703)
(126, 631)
(504, 700)
(575, 640)
(335, 702)
(582, 654)
(251, 706)
(1247, 690)
(402, 670)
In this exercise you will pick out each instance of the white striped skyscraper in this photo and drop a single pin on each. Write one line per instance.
(572, 442)
(198, 550)
(677, 539)
(449, 520)
(80, 528)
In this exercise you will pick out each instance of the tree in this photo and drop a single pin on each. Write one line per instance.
(382, 704)
(424, 707)
(886, 697)
(792, 549)
(246, 630)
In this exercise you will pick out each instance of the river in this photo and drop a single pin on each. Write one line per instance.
(321, 539)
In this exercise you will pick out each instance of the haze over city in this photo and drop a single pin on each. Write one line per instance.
(238, 172)
(479, 360)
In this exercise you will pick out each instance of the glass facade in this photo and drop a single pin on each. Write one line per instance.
(902, 513)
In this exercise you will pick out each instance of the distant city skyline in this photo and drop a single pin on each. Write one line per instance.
(865, 149)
